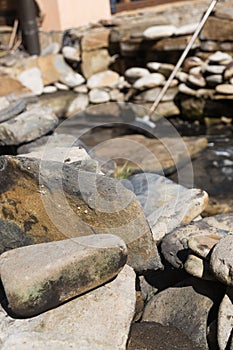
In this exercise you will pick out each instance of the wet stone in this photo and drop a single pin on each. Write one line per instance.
(49, 274)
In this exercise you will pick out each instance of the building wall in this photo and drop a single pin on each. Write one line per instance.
(65, 14)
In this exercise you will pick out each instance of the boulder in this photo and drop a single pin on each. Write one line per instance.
(99, 319)
(49, 274)
(64, 201)
(225, 320)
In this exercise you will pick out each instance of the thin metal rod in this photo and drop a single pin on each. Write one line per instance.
(182, 58)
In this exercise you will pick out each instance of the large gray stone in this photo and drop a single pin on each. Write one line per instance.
(165, 203)
(99, 319)
(40, 277)
(27, 126)
(221, 260)
(64, 201)
(185, 306)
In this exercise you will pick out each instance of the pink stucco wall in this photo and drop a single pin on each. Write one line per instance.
(64, 14)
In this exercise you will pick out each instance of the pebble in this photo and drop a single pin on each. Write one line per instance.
(214, 69)
(157, 32)
(191, 62)
(221, 260)
(49, 89)
(99, 96)
(184, 89)
(153, 66)
(228, 73)
(135, 73)
(219, 56)
(226, 89)
(32, 79)
(149, 81)
(196, 80)
(182, 76)
(80, 103)
(71, 53)
(186, 29)
(104, 79)
(61, 86)
(82, 89)
(73, 79)
(214, 80)
(197, 267)
(202, 244)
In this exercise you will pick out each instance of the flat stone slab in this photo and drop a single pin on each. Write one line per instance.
(165, 203)
(185, 306)
(149, 81)
(27, 126)
(157, 32)
(221, 260)
(99, 319)
(225, 319)
(40, 277)
(226, 89)
(63, 201)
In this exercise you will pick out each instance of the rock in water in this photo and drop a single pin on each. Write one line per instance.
(97, 320)
(27, 126)
(221, 260)
(48, 274)
(63, 201)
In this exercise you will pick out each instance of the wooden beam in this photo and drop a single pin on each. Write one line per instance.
(133, 5)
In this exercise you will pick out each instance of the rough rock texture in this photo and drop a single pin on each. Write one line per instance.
(62, 201)
(27, 126)
(39, 277)
(185, 306)
(175, 245)
(165, 203)
(225, 319)
(84, 323)
(221, 260)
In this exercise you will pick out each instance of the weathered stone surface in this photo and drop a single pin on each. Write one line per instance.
(94, 62)
(158, 32)
(49, 274)
(175, 245)
(67, 155)
(165, 203)
(223, 29)
(174, 43)
(149, 154)
(151, 94)
(196, 80)
(14, 108)
(192, 61)
(221, 260)
(95, 39)
(197, 267)
(225, 320)
(152, 335)
(103, 79)
(32, 80)
(202, 245)
(214, 69)
(99, 96)
(97, 320)
(64, 202)
(27, 126)
(173, 307)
